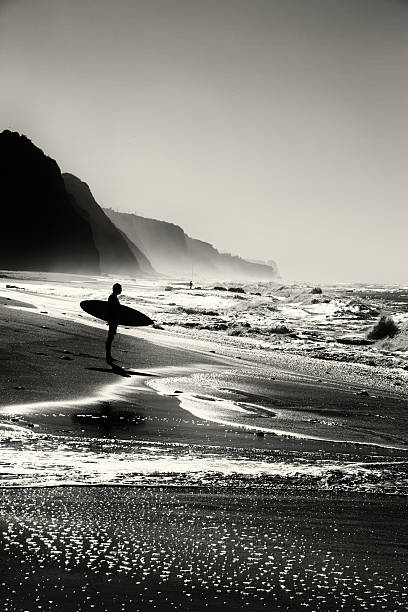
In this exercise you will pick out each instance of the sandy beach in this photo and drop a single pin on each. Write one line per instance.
(191, 480)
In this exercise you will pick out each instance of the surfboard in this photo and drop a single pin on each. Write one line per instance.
(127, 316)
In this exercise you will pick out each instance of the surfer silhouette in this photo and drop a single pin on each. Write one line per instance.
(113, 306)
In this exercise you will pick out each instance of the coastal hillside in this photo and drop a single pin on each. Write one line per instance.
(171, 251)
(42, 227)
(116, 252)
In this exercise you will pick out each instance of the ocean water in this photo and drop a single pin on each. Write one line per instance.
(331, 325)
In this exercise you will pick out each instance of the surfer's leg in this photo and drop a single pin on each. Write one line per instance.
(109, 340)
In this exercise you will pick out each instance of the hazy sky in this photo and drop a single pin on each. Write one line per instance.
(271, 128)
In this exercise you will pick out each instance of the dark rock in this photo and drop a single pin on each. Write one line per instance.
(385, 328)
(236, 290)
(220, 288)
(316, 290)
(279, 329)
(348, 340)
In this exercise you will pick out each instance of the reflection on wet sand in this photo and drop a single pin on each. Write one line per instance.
(166, 549)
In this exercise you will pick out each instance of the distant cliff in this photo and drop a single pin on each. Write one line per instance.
(116, 252)
(165, 244)
(42, 227)
(171, 251)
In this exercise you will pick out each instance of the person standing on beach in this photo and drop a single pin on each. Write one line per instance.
(113, 306)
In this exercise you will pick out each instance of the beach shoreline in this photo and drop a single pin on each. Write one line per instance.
(136, 489)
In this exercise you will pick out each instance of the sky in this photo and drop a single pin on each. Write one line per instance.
(274, 129)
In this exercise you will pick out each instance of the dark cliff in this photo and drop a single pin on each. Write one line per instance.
(42, 227)
(117, 253)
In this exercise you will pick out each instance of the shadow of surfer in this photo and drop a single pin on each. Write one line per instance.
(113, 318)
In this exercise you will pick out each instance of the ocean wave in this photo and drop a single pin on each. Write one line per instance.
(55, 461)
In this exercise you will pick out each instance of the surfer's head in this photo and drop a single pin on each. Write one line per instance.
(116, 289)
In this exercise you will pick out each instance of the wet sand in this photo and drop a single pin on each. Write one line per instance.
(174, 549)
(244, 539)
(44, 358)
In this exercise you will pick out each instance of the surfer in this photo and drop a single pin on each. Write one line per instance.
(114, 306)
